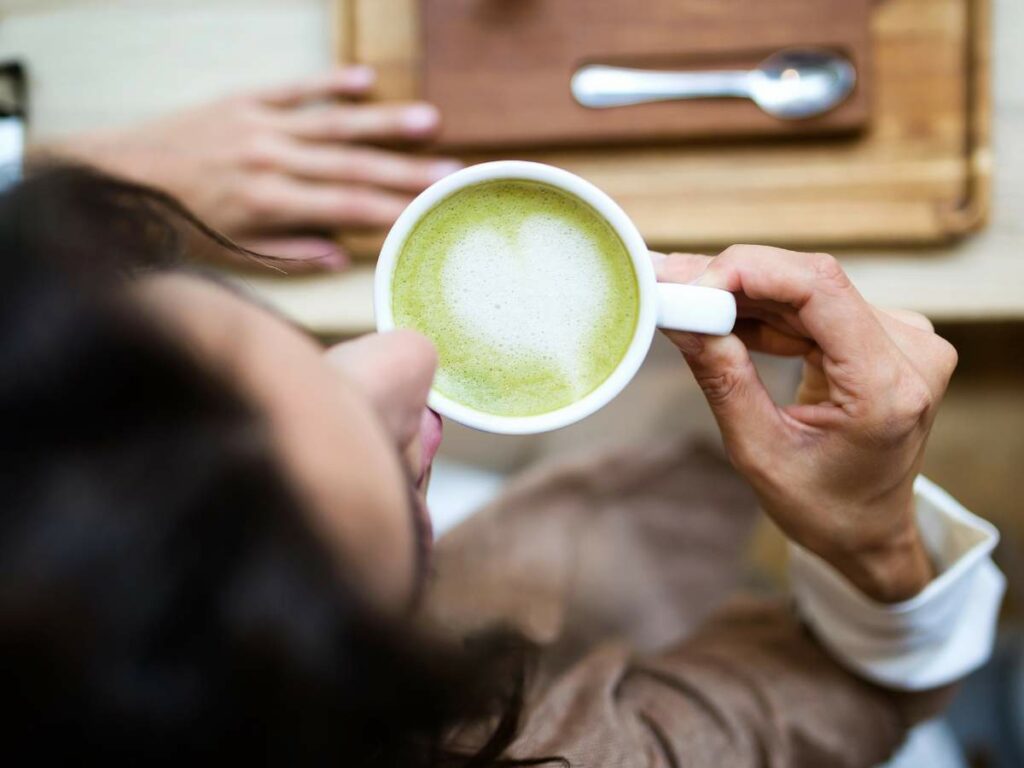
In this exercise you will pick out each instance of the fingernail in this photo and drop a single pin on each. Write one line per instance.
(443, 168)
(421, 117)
(688, 343)
(657, 258)
(360, 76)
(336, 262)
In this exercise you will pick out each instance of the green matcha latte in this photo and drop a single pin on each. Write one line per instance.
(527, 292)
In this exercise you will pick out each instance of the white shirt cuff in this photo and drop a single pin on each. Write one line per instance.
(936, 637)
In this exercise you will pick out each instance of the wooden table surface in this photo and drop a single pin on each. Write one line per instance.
(500, 71)
(916, 175)
(101, 62)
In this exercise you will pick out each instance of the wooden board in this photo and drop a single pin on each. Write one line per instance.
(500, 69)
(918, 175)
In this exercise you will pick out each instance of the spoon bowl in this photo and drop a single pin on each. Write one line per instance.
(797, 84)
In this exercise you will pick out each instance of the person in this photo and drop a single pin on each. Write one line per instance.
(282, 169)
(214, 543)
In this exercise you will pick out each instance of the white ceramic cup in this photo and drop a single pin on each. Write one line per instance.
(662, 305)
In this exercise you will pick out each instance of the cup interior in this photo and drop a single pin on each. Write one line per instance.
(608, 209)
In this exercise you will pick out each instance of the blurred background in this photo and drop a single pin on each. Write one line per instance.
(916, 181)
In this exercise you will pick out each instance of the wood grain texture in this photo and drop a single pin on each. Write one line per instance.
(915, 176)
(140, 60)
(500, 70)
(386, 34)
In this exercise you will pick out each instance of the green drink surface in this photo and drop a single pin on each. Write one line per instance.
(527, 292)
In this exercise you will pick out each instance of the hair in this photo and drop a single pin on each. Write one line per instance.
(162, 593)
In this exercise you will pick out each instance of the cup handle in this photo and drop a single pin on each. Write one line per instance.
(695, 308)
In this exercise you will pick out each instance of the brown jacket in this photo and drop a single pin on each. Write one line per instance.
(618, 567)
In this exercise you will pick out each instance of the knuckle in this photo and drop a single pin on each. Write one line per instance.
(732, 259)
(733, 253)
(720, 386)
(902, 406)
(355, 207)
(828, 271)
(257, 153)
(341, 121)
(947, 356)
(363, 164)
(349, 205)
(406, 171)
(917, 320)
(259, 198)
(913, 403)
(333, 122)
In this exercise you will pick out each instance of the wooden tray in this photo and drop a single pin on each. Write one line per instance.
(919, 174)
(500, 69)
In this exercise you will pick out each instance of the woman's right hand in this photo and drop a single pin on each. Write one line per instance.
(280, 170)
(835, 469)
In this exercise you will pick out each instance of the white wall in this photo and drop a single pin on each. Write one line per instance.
(96, 62)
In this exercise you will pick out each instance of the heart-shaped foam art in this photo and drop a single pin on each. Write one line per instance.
(527, 292)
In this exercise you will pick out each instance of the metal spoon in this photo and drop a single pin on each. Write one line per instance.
(790, 84)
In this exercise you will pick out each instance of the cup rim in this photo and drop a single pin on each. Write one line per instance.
(521, 170)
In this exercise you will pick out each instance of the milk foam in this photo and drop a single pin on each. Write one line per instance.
(540, 293)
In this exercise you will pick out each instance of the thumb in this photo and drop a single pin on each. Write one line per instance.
(747, 417)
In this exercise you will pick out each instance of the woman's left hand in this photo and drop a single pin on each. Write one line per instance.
(281, 170)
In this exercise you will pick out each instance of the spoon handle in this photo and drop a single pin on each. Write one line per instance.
(598, 85)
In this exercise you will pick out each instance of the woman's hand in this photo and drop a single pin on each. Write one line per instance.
(835, 470)
(280, 170)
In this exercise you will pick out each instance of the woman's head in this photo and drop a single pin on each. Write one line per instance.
(209, 529)
(349, 429)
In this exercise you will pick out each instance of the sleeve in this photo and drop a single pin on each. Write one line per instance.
(936, 637)
(759, 685)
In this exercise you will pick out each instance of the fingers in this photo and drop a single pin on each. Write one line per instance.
(360, 165)
(747, 417)
(927, 364)
(832, 311)
(362, 122)
(882, 370)
(905, 316)
(888, 369)
(302, 254)
(771, 338)
(346, 81)
(771, 325)
(678, 267)
(280, 201)
(932, 356)
(395, 370)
